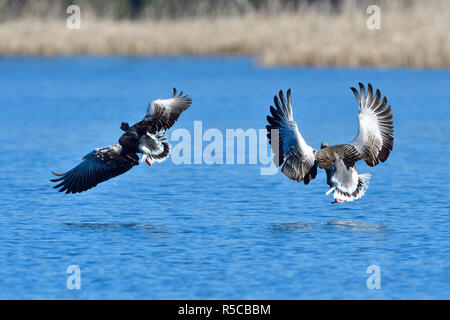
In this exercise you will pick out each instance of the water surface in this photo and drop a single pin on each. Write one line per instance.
(217, 232)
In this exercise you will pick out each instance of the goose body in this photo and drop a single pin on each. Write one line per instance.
(146, 137)
(300, 162)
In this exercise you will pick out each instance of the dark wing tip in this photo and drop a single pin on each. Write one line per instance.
(277, 102)
(362, 88)
(178, 95)
(289, 96)
(357, 97)
(283, 101)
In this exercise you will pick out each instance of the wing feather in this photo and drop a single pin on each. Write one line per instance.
(288, 145)
(98, 166)
(163, 114)
(375, 138)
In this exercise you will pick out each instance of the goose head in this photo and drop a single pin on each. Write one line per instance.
(125, 126)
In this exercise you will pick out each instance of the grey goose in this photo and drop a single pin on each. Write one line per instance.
(146, 137)
(299, 161)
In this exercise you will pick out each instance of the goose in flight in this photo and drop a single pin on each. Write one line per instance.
(146, 137)
(373, 144)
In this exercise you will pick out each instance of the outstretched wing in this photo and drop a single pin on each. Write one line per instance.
(98, 166)
(287, 143)
(375, 138)
(162, 114)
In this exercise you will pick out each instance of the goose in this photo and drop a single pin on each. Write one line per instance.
(373, 144)
(146, 137)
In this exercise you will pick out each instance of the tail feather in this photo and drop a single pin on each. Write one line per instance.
(363, 185)
(155, 148)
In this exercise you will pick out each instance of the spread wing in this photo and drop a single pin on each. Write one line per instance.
(98, 166)
(162, 114)
(375, 138)
(288, 144)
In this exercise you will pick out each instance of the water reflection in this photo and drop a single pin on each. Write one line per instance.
(307, 227)
(356, 225)
(157, 229)
(289, 227)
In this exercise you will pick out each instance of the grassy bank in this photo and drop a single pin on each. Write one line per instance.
(414, 36)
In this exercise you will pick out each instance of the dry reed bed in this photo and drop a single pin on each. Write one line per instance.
(416, 37)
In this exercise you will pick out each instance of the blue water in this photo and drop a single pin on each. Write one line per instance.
(221, 231)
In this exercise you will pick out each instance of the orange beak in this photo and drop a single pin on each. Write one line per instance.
(146, 161)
